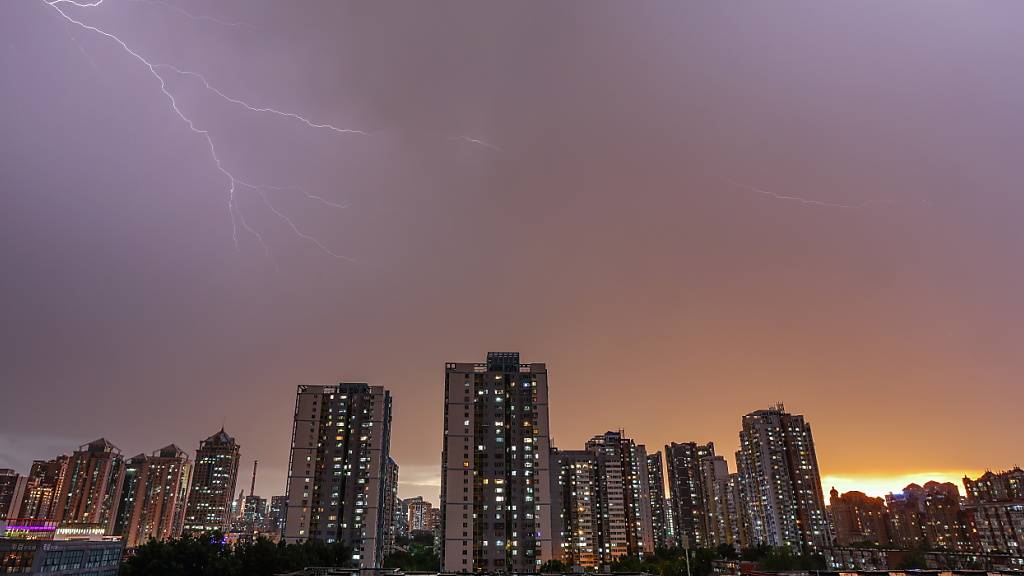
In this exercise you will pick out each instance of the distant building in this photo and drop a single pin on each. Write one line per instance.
(495, 484)
(419, 514)
(213, 485)
(625, 495)
(254, 514)
(670, 523)
(739, 518)
(781, 483)
(656, 487)
(686, 476)
(859, 519)
(718, 520)
(580, 506)
(277, 514)
(12, 492)
(991, 487)
(40, 500)
(90, 490)
(341, 444)
(391, 507)
(930, 517)
(602, 502)
(153, 496)
(434, 522)
(995, 507)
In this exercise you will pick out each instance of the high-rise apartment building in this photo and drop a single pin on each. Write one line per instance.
(656, 484)
(276, 514)
(154, 493)
(670, 522)
(718, 521)
(906, 529)
(686, 486)
(254, 514)
(739, 519)
(579, 506)
(859, 519)
(392, 506)
(495, 482)
(129, 486)
(418, 514)
(44, 479)
(1005, 486)
(625, 492)
(341, 443)
(995, 506)
(213, 484)
(781, 483)
(931, 517)
(90, 490)
(602, 499)
(12, 492)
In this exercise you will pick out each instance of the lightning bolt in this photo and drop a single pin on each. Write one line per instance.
(479, 142)
(196, 17)
(233, 182)
(822, 203)
(252, 108)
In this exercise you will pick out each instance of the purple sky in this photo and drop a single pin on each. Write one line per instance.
(632, 220)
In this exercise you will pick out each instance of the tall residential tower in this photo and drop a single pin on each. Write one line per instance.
(496, 512)
(781, 483)
(213, 484)
(337, 473)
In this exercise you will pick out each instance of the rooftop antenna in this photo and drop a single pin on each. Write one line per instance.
(252, 488)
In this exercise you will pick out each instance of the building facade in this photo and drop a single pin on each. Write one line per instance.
(718, 519)
(624, 493)
(579, 516)
(154, 496)
(80, 557)
(930, 517)
(90, 489)
(44, 479)
(12, 492)
(656, 487)
(213, 485)
(276, 514)
(686, 473)
(341, 443)
(418, 514)
(995, 505)
(859, 519)
(778, 468)
(392, 506)
(496, 512)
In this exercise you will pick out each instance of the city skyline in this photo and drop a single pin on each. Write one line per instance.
(511, 500)
(426, 478)
(718, 207)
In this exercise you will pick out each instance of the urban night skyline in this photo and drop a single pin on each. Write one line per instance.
(687, 211)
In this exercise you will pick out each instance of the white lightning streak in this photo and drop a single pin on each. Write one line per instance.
(479, 142)
(252, 108)
(295, 229)
(302, 191)
(233, 182)
(76, 3)
(196, 17)
(805, 201)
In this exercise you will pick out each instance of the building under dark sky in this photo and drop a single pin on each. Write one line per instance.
(496, 507)
(337, 484)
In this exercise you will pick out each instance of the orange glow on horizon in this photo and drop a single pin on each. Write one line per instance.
(882, 484)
